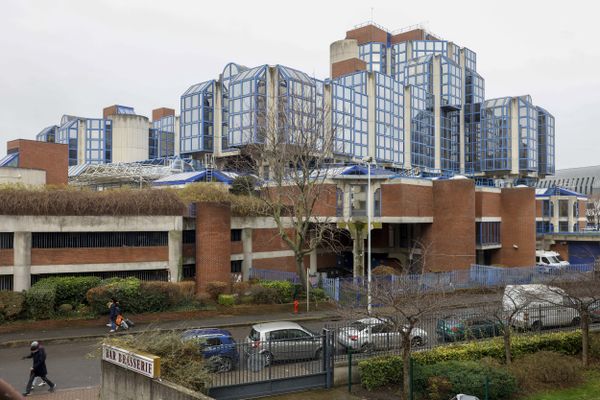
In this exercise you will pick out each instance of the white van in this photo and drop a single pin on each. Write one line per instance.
(549, 261)
(538, 306)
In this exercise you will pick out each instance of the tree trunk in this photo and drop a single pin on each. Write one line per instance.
(405, 367)
(585, 338)
(507, 350)
(301, 271)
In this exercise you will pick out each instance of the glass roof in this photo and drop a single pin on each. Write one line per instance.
(125, 110)
(251, 73)
(290, 73)
(501, 101)
(199, 87)
(420, 60)
(47, 129)
(10, 160)
(69, 123)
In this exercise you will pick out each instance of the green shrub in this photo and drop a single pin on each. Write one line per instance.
(226, 299)
(264, 295)
(546, 370)
(214, 289)
(40, 302)
(285, 290)
(470, 377)
(69, 289)
(317, 294)
(65, 308)
(386, 370)
(11, 304)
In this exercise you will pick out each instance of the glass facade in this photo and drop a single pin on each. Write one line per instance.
(247, 107)
(389, 119)
(496, 136)
(474, 98)
(48, 134)
(161, 139)
(196, 123)
(528, 135)
(422, 128)
(98, 141)
(451, 78)
(68, 134)
(349, 119)
(546, 146)
(374, 54)
(230, 71)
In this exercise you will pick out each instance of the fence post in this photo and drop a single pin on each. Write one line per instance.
(487, 388)
(412, 377)
(349, 369)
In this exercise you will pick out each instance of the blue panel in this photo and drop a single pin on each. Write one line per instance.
(196, 122)
(584, 252)
(10, 160)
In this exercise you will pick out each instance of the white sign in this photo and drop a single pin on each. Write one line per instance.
(142, 364)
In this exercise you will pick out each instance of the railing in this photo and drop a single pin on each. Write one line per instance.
(274, 275)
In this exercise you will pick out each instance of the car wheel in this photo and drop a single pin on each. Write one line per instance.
(536, 325)
(416, 341)
(225, 364)
(268, 357)
(367, 348)
(319, 354)
(576, 321)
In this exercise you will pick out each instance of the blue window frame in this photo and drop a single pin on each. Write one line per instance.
(451, 80)
(389, 119)
(197, 118)
(546, 145)
(449, 140)
(474, 97)
(419, 73)
(162, 138)
(528, 135)
(247, 106)
(230, 71)
(488, 233)
(68, 134)
(349, 115)
(48, 134)
(399, 60)
(422, 128)
(98, 141)
(543, 226)
(374, 55)
(470, 59)
(496, 138)
(422, 48)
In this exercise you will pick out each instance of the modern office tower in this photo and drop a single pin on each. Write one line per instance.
(447, 125)
(161, 138)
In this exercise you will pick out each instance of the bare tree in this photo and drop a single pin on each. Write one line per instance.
(292, 153)
(402, 304)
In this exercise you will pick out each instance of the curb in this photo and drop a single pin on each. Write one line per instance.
(67, 339)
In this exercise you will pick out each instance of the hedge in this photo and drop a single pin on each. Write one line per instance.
(285, 289)
(40, 302)
(11, 304)
(381, 371)
(69, 289)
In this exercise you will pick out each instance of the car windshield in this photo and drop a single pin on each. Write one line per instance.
(254, 335)
(553, 260)
(359, 326)
(559, 258)
(308, 330)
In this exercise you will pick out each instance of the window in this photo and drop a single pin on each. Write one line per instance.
(488, 233)
(213, 342)
(54, 240)
(236, 235)
(563, 226)
(563, 208)
(236, 266)
(6, 240)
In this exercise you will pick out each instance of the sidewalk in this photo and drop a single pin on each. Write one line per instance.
(14, 339)
(68, 394)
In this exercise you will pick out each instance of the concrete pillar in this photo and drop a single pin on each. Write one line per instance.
(22, 261)
(358, 252)
(247, 250)
(313, 262)
(175, 255)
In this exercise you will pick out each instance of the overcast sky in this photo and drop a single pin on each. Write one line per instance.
(75, 57)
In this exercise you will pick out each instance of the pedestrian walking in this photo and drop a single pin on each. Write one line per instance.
(114, 313)
(38, 356)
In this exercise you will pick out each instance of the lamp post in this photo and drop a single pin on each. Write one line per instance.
(369, 160)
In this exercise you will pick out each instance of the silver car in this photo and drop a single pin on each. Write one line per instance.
(371, 334)
(283, 341)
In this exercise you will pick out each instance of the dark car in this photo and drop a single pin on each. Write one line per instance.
(217, 346)
(452, 328)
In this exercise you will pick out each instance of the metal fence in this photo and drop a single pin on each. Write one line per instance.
(282, 361)
(274, 275)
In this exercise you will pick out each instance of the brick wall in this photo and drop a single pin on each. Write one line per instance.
(189, 250)
(268, 240)
(366, 34)
(539, 208)
(158, 113)
(50, 157)
(402, 200)
(415, 34)
(237, 247)
(213, 244)
(103, 255)
(279, 263)
(450, 241)
(6, 257)
(561, 248)
(108, 111)
(346, 67)
(517, 229)
(487, 204)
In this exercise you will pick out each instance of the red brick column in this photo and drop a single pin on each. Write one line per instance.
(517, 228)
(450, 241)
(213, 243)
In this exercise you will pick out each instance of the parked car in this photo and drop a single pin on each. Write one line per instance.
(539, 306)
(453, 328)
(464, 397)
(279, 341)
(217, 346)
(370, 334)
(549, 262)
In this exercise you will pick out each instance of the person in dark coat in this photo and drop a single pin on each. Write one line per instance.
(38, 354)
(114, 312)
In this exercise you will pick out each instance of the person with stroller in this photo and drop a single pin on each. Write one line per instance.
(114, 313)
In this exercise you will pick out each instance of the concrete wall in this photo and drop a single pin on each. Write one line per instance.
(23, 176)
(122, 384)
(129, 138)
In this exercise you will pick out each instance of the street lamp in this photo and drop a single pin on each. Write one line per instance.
(368, 161)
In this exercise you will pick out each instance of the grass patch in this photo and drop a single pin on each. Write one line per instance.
(590, 390)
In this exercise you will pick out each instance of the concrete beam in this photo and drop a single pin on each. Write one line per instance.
(22, 261)
(175, 255)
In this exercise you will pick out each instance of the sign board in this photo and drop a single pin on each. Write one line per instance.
(143, 364)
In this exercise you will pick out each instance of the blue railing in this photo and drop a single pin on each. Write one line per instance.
(273, 275)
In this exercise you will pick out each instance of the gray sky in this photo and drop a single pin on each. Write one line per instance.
(75, 57)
